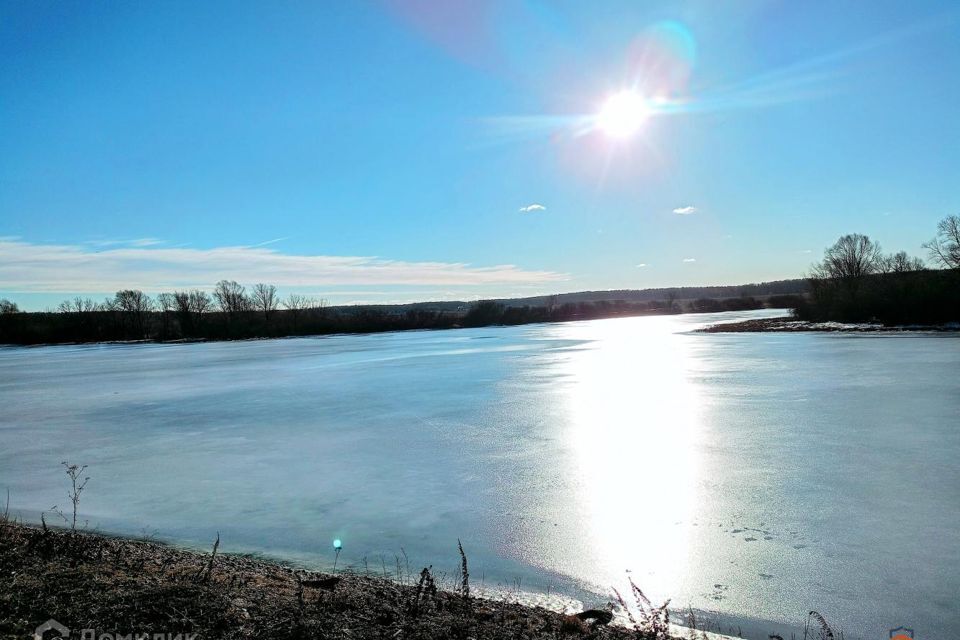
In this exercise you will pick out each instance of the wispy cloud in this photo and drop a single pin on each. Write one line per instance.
(813, 77)
(641, 265)
(30, 267)
(135, 242)
(263, 244)
(685, 211)
(532, 207)
(689, 259)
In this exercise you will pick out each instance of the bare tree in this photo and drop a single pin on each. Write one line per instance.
(136, 304)
(181, 301)
(296, 303)
(190, 306)
(133, 300)
(200, 302)
(78, 305)
(231, 297)
(850, 258)
(944, 248)
(264, 299)
(899, 262)
(181, 304)
(6, 306)
(166, 302)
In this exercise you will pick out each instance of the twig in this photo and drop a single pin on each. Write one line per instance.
(464, 573)
(209, 568)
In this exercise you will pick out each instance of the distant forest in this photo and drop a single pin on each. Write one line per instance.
(232, 312)
(854, 282)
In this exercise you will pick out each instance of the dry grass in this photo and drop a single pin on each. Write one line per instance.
(821, 628)
(649, 622)
(125, 586)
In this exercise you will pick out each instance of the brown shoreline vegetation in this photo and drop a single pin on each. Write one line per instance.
(789, 324)
(119, 586)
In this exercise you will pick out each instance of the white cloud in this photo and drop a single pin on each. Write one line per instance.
(532, 207)
(641, 265)
(689, 259)
(145, 242)
(806, 251)
(28, 267)
(685, 211)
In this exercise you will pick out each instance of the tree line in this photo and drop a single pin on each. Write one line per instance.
(229, 312)
(857, 282)
(232, 312)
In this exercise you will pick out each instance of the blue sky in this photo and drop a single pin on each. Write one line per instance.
(383, 151)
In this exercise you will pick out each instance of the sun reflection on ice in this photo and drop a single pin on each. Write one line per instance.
(632, 428)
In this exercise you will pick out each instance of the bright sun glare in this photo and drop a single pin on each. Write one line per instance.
(623, 114)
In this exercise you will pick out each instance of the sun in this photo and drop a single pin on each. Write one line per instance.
(623, 114)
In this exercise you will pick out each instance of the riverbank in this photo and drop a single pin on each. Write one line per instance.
(119, 586)
(790, 324)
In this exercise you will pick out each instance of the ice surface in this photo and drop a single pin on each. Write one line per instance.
(758, 475)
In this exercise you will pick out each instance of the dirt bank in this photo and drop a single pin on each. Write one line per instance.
(788, 324)
(119, 587)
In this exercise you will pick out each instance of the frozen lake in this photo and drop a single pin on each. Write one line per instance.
(756, 475)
